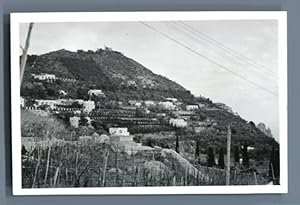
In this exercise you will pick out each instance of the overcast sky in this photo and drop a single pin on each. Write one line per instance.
(253, 40)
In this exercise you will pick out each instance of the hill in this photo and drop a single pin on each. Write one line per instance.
(123, 79)
(103, 69)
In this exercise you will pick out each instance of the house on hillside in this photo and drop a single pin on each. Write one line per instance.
(183, 114)
(51, 103)
(192, 107)
(149, 103)
(62, 93)
(178, 122)
(121, 131)
(45, 76)
(96, 92)
(88, 106)
(120, 134)
(22, 102)
(79, 101)
(74, 121)
(161, 114)
(135, 103)
(199, 129)
(124, 107)
(167, 105)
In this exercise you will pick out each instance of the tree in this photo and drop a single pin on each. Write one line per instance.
(177, 144)
(149, 142)
(197, 151)
(24, 151)
(97, 125)
(211, 157)
(252, 123)
(82, 93)
(76, 105)
(245, 156)
(83, 121)
(139, 113)
(274, 165)
(271, 169)
(221, 159)
(43, 127)
(236, 155)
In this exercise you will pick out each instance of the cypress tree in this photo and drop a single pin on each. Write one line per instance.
(236, 155)
(177, 144)
(83, 121)
(197, 151)
(211, 157)
(149, 142)
(245, 156)
(221, 163)
(274, 160)
(271, 163)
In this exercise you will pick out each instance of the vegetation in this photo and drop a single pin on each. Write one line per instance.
(221, 164)
(72, 163)
(211, 157)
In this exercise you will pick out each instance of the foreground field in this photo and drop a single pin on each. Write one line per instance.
(73, 164)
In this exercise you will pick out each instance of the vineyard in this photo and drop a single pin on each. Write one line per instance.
(74, 164)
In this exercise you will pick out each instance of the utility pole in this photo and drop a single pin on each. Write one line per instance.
(24, 54)
(228, 156)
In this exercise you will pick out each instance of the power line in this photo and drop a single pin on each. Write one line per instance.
(196, 38)
(208, 59)
(224, 47)
(236, 61)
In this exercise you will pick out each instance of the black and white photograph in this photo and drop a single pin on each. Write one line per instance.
(149, 103)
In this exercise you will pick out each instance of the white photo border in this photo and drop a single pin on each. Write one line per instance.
(17, 18)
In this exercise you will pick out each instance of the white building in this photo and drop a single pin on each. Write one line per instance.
(22, 102)
(62, 92)
(149, 103)
(88, 106)
(74, 121)
(192, 107)
(120, 135)
(44, 76)
(199, 129)
(51, 103)
(135, 103)
(80, 101)
(121, 131)
(161, 114)
(167, 105)
(250, 148)
(178, 122)
(96, 92)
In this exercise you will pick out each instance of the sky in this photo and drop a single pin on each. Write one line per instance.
(230, 61)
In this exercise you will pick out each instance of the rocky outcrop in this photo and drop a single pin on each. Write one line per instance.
(262, 127)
